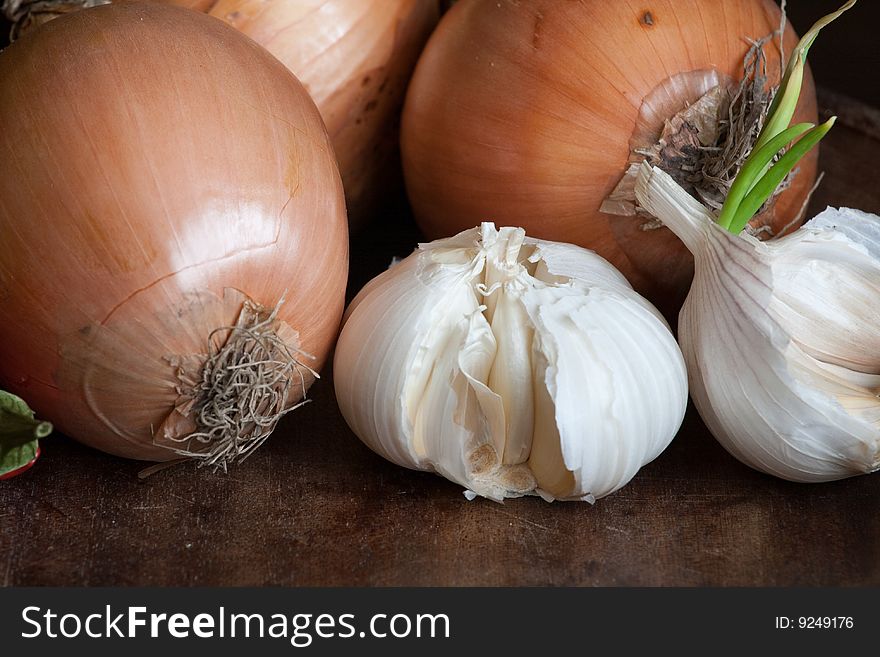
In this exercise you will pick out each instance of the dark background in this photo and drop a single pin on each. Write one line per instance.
(846, 58)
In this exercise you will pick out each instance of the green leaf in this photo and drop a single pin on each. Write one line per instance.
(782, 108)
(17, 457)
(784, 104)
(754, 168)
(777, 173)
(19, 433)
(754, 183)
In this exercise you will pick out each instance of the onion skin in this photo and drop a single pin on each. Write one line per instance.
(196, 5)
(355, 58)
(522, 112)
(153, 158)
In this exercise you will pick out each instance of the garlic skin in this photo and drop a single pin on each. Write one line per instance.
(782, 338)
(511, 366)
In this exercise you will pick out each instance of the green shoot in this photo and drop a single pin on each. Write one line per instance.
(754, 183)
(784, 103)
(777, 173)
(753, 168)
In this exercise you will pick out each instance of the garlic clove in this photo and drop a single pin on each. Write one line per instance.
(594, 372)
(826, 283)
(553, 478)
(511, 374)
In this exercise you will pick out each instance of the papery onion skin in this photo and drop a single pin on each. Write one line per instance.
(525, 110)
(197, 5)
(355, 58)
(153, 159)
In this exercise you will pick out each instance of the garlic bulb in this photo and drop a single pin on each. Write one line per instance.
(511, 366)
(782, 337)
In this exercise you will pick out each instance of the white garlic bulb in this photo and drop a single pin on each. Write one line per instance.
(511, 366)
(782, 337)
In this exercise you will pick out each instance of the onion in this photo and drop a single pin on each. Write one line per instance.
(164, 178)
(197, 5)
(355, 57)
(528, 112)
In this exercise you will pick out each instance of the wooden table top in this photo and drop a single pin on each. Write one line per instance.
(316, 507)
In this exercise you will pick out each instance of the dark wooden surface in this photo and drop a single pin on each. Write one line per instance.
(316, 507)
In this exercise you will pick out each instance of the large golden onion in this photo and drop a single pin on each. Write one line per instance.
(526, 112)
(161, 173)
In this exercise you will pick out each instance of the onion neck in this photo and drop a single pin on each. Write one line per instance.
(699, 126)
(676, 119)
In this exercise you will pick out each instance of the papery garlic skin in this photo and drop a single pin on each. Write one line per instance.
(782, 337)
(511, 366)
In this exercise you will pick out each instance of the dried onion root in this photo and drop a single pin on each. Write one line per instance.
(242, 391)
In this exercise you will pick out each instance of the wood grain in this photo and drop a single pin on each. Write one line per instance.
(315, 507)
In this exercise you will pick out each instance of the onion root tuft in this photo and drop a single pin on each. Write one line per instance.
(252, 377)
